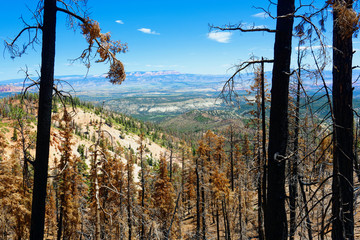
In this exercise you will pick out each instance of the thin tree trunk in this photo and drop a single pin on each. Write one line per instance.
(356, 156)
(142, 233)
(197, 200)
(183, 178)
(225, 222)
(232, 157)
(121, 227)
(240, 214)
(263, 126)
(259, 178)
(97, 209)
(294, 164)
(308, 222)
(60, 224)
(44, 121)
(275, 217)
(171, 163)
(343, 191)
(203, 217)
(129, 176)
(217, 223)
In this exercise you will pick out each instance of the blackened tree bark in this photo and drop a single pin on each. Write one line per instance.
(262, 159)
(44, 121)
(231, 129)
(141, 149)
(307, 212)
(343, 191)
(275, 214)
(293, 192)
(171, 164)
(116, 75)
(197, 236)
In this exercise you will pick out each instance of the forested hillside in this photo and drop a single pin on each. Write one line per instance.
(285, 167)
(111, 175)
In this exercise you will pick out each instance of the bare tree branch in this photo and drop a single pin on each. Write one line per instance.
(241, 28)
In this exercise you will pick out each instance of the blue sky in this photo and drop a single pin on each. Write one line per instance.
(161, 35)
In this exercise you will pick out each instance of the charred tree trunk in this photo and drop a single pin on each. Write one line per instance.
(129, 202)
(275, 217)
(263, 126)
(343, 191)
(197, 200)
(294, 164)
(232, 157)
(97, 208)
(59, 224)
(240, 215)
(142, 233)
(226, 220)
(171, 163)
(203, 215)
(217, 222)
(261, 159)
(307, 212)
(44, 121)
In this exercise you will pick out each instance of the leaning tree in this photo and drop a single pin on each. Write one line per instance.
(99, 45)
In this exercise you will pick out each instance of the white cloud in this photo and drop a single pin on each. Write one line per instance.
(222, 37)
(260, 15)
(119, 21)
(252, 26)
(148, 31)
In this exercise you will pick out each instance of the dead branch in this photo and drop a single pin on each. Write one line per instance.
(228, 89)
(240, 27)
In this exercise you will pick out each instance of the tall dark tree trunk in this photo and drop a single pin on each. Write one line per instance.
(44, 121)
(343, 191)
(275, 217)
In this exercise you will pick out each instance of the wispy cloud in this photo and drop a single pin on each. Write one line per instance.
(252, 26)
(119, 21)
(222, 37)
(148, 31)
(260, 15)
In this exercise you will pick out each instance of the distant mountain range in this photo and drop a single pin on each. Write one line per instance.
(157, 95)
(144, 82)
(138, 83)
